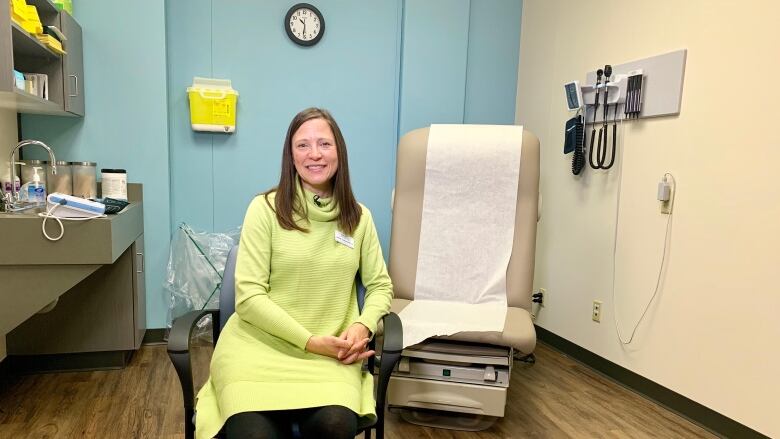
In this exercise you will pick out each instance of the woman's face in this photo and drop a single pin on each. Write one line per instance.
(314, 155)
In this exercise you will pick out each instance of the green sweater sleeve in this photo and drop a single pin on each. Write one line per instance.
(253, 269)
(373, 274)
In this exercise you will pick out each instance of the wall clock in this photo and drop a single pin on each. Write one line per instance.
(304, 24)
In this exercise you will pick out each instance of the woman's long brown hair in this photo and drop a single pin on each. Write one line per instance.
(287, 203)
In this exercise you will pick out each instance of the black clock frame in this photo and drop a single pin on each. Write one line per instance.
(292, 36)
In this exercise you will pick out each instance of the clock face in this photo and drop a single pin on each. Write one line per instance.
(305, 25)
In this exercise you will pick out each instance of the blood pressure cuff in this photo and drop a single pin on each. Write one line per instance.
(572, 129)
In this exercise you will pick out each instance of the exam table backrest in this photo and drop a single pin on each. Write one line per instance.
(407, 217)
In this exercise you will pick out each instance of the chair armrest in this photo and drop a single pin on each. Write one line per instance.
(393, 333)
(181, 332)
(392, 345)
(179, 353)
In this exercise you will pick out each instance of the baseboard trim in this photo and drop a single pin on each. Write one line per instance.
(688, 408)
(156, 336)
(72, 362)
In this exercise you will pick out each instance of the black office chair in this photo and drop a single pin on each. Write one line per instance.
(179, 349)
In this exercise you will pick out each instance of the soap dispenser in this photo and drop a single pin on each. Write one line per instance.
(36, 191)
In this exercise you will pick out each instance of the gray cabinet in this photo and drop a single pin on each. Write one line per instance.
(77, 303)
(73, 65)
(139, 291)
(105, 312)
(23, 52)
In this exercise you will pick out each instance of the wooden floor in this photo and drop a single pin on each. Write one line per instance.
(555, 398)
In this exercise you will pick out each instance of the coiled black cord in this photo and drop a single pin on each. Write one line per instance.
(614, 140)
(578, 158)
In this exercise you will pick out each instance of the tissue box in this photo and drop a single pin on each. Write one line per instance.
(19, 79)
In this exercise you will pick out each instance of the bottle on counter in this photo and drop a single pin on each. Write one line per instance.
(34, 191)
(6, 183)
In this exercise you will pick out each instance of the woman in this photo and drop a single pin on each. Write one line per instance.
(293, 350)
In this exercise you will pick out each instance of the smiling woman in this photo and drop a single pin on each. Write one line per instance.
(315, 156)
(297, 337)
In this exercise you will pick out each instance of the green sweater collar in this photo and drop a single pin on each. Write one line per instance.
(327, 210)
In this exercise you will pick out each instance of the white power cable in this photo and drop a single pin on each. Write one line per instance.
(660, 269)
(49, 214)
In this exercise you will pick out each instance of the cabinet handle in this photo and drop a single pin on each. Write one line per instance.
(140, 262)
(75, 86)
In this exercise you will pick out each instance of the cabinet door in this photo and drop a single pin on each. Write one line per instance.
(139, 291)
(95, 315)
(6, 50)
(73, 65)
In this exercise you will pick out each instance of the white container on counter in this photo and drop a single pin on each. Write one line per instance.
(114, 183)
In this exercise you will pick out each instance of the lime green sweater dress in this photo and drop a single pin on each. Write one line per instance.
(291, 285)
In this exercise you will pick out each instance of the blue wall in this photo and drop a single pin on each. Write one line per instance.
(382, 68)
(126, 118)
(353, 72)
(491, 73)
(460, 60)
(435, 48)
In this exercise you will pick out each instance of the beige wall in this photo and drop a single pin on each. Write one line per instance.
(713, 332)
(8, 136)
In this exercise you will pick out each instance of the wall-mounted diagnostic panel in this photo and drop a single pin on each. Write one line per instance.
(645, 88)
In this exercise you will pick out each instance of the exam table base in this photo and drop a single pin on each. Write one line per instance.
(445, 419)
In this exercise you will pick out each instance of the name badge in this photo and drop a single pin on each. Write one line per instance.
(344, 239)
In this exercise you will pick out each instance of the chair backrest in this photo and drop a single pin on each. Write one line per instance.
(227, 292)
(407, 217)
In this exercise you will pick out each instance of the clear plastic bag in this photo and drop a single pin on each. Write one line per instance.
(195, 268)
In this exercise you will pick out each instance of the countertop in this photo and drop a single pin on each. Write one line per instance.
(96, 241)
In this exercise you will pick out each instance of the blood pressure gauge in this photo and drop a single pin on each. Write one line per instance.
(573, 95)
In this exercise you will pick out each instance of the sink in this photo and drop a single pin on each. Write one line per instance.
(26, 209)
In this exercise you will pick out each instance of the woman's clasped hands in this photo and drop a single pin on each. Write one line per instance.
(349, 347)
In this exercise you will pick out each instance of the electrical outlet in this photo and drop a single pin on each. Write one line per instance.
(596, 315)
(545, 297)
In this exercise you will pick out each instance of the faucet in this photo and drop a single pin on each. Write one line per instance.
(4, 203)
(14, 195)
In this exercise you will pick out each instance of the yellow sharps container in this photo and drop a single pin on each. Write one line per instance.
(212, 105)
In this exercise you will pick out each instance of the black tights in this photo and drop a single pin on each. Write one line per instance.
(329, 422)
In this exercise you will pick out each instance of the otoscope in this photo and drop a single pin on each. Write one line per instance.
(601, 155)
(599, 72)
